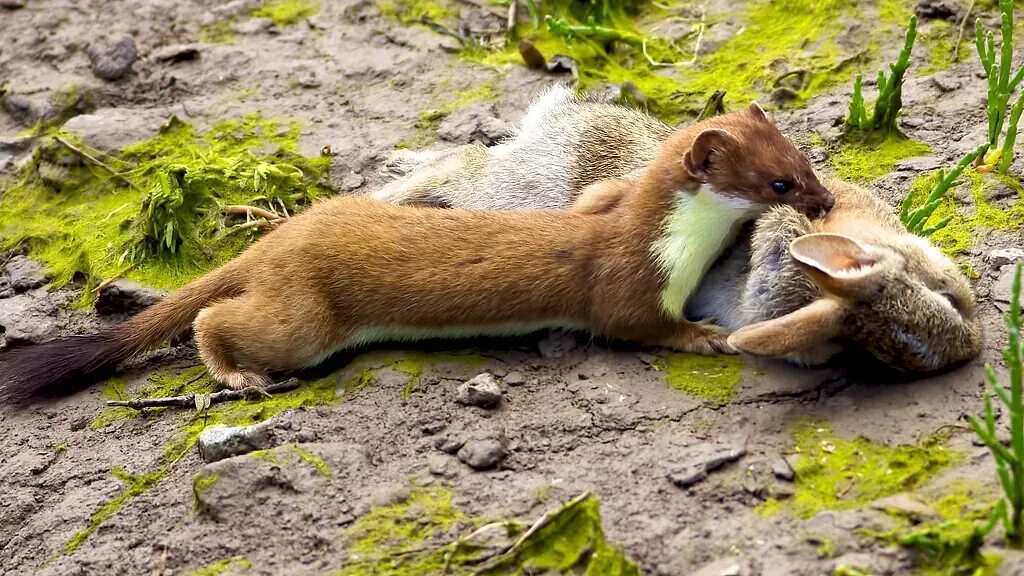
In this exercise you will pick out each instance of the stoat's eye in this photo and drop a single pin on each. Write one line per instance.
(781, 186)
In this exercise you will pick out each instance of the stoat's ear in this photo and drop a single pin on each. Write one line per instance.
(838, 264)
(698, 159)
(758, 113)
(799, 330)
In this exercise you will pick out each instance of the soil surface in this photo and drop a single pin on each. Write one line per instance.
(575, 415)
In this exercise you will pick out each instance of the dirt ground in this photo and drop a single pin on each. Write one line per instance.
(576, 415)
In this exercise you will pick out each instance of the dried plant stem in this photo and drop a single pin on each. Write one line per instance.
(250, 211)
(189, 400)
(97, 162)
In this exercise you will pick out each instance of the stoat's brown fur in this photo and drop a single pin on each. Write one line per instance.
(352, 270)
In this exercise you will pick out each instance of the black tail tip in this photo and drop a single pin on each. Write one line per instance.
(55, 368)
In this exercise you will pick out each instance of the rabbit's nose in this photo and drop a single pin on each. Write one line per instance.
(827, 205)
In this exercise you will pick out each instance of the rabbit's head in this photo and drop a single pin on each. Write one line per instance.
(892, 294)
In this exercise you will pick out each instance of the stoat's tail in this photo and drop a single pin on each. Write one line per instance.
(70, 363)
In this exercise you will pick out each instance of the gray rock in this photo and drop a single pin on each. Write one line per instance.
(514, 378)
(439, 465)
(28, 318)
(25, 274)
(557, 344)
(1002, 289)
(482, 390)
(907, 505)
(126, 297)
(110, 129)
(352, 181)
(27, 110)
(782, 469)
(178, 52)
(484, 453)
(474, 123)
(254, 26)
(448, 445)
(936, 9)
(112, 60)
(220, 442)
(724, 567)
(694, 463)
(1003, 256)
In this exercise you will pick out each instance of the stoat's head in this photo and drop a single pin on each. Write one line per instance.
(743, 155)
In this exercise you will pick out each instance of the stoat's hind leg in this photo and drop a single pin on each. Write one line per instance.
(242, 339)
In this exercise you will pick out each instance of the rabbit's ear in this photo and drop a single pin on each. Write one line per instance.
(813, 324)
(838, 264)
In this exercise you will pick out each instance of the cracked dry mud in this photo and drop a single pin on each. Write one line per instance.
(575, 415)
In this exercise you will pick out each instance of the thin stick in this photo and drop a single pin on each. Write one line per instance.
(251, 211)
(284, 209)
(260, 223)
(103, 285)
(960, 34)
(97, 162)
(189, 400)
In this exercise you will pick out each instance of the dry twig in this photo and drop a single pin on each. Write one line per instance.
(960, 33)
(97, 162)
(189, 400)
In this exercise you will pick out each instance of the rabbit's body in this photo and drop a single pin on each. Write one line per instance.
(907, 322)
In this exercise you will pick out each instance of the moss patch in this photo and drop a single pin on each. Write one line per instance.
(939, 39)
(241, 413)
(789, 45)
(573, 542)
(134, 485)
(400, 539)
(413, 11)
(834, 473)
(390, 539)
(958, 236)
(316, 461)
(287, 12)
(712, 377)
(228, 565)
(429, 120)
(366, 369)
(200, 484)
(866, 161)
(950, 545)
(159, 222)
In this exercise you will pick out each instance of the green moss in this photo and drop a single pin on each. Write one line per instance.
(232, 565)
(200, 484)
(429, 120)
(316, 461)
(958, 236)
(951, 544)
(134, 485)
(399, 539)
(414, 11)
(218, 32)
(60, 447)
(166, 227)
(776, 38)
(391, 539)
(287, 12)
(712, 377)
(572, 542)
(939, 39)
(866, 161)
(838, 474)
(365, 370)
(240, 413)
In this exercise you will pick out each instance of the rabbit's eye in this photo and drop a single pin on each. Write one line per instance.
(952, 300)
